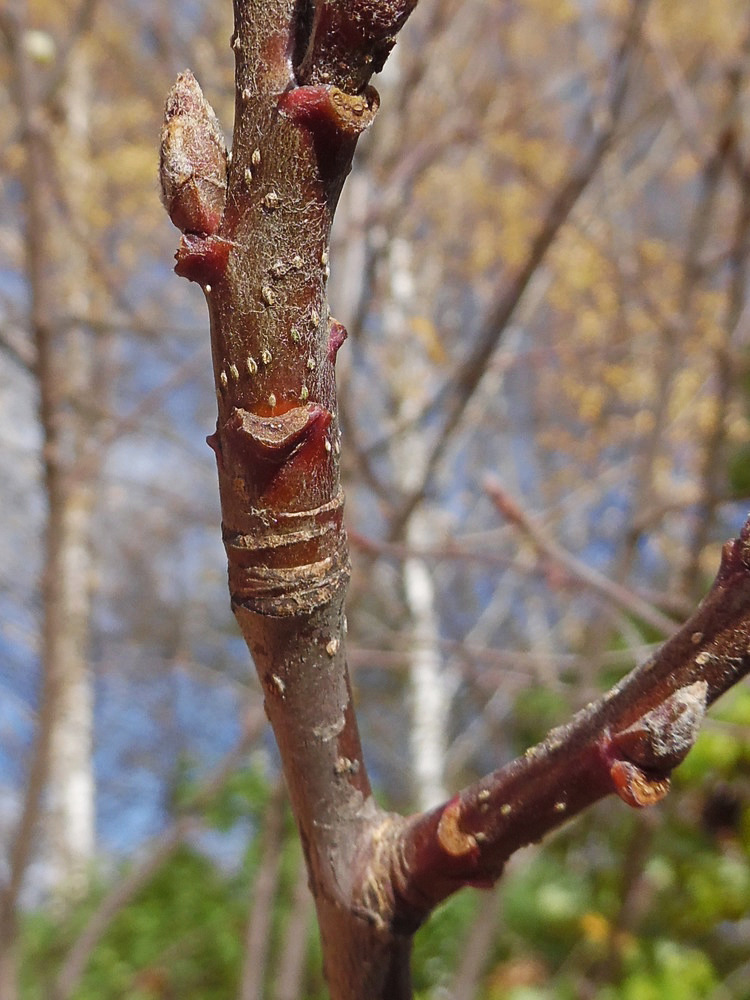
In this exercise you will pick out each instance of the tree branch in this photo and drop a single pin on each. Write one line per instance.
(289, 976)
(628, 743)
(264, 890)
(256, 237)
(629, 601)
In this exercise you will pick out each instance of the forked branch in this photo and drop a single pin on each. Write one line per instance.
(256, 233)
(255, 237)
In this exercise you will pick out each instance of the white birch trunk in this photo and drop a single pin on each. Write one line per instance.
(431, 684)
(70, 823)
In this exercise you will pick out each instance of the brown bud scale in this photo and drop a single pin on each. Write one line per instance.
(336, 336)
(634, 787)
(202, 258)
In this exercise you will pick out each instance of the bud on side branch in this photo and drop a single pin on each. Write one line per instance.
(193, 160)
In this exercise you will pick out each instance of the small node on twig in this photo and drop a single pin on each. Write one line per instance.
(344, 765)
(332, 647)
(336, 336)
(279, 684)
(213, 441)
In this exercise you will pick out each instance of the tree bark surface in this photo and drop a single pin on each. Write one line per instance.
(256, 231)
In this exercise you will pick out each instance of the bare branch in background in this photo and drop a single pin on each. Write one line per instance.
(625, 599)
(153, 856)
(265, 888)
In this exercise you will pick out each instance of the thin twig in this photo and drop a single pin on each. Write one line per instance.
(596, 581)
(264, 889)
(502, 309)
(154, 856)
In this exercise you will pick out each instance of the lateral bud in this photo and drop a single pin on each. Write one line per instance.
(662, 738)
(193, 160)
(336, 336)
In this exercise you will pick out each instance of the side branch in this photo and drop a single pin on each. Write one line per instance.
(628, 743)
(348, 42)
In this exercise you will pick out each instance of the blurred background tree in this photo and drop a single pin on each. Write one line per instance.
(541, 257)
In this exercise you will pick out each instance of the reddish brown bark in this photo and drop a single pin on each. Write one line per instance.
(264, 268)
(261, 257)
(628, 743)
